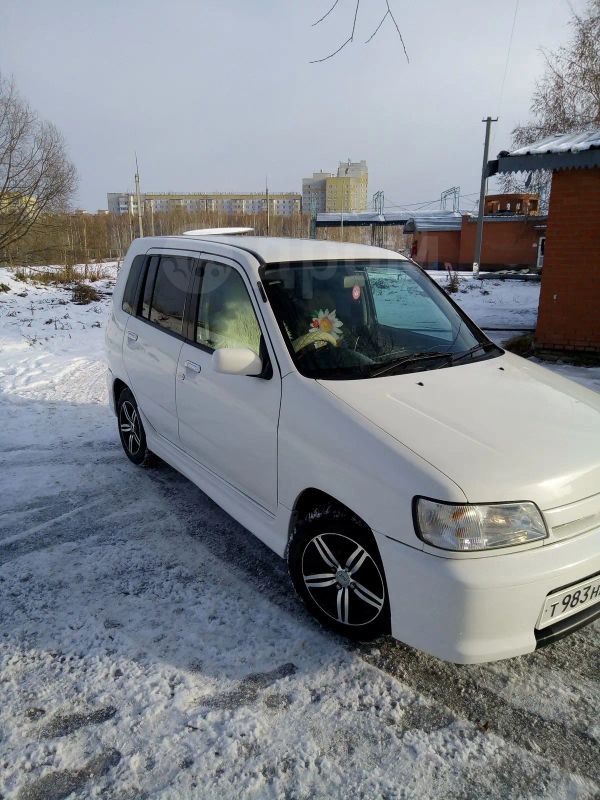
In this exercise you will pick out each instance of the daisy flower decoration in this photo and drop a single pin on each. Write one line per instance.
(326, 321)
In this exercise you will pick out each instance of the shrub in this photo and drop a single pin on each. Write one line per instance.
(453, 282)
(522, 345)
(4, 287)
(83, 294)
(61, 276)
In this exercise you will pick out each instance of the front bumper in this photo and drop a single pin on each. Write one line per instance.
(472, 610)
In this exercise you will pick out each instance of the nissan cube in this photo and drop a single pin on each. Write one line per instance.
(332, 398)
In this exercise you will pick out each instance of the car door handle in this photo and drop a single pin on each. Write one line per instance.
(193, 366)
(133, 336)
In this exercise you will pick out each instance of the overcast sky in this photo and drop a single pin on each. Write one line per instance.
(214, 94)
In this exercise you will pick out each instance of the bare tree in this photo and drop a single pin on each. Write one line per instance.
(567, 98)
(36, 177)
(388, 14)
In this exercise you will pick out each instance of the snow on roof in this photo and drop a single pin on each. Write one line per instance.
(434, 221)
(561, 143)
(562, 151)
(360, 216)
(334, 219)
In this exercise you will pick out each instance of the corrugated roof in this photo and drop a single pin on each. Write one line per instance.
(434, 221)
(364, 217)
(561, 151)
(561, 143)
(334, 219)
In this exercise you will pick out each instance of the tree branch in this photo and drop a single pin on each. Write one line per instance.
(348, 40)
(372, 36)
(36, 176)
(387, 2)
(327, 14)
(388, 13)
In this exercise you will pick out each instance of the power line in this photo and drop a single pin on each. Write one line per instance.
(506, 64)
(423, 203)
(510, 41)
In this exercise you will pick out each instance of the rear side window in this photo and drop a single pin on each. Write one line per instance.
(169, 292)
(149, 285)
(129, 295)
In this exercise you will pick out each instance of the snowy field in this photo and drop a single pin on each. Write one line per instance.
(151, 648)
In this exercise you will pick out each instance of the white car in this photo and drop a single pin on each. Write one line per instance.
(332, 398)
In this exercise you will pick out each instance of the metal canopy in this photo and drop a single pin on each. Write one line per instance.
(566, 151)
(359, 219)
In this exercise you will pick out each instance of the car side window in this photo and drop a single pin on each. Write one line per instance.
(130, 291)
(226, 316)
(170, 291)
(149, 279)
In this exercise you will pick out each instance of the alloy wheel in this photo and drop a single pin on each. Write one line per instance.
(129, 425)
(343, 579)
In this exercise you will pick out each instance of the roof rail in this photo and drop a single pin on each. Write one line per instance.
(218, 231)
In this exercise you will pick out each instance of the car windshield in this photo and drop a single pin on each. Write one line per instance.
(364, 319)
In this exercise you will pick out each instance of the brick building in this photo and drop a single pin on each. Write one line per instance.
(510, 240)
(515, 203)
(569, 311)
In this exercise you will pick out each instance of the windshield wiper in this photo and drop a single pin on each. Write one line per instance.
(485, 346)
(411, 359)
(451, 358)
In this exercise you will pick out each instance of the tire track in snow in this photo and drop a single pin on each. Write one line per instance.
(452, 688)
(456, 687)
(452, 693)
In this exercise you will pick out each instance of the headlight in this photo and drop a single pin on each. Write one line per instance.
(478, 527)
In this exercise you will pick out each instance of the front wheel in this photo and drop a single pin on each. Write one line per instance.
(336, 569)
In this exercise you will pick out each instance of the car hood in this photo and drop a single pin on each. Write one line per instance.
(501, 428)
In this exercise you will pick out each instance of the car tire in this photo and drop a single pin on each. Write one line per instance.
(336, 569)
(131, 430)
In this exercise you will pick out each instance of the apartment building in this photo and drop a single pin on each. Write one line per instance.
(284, 204)
(347, 190)
(314, 191)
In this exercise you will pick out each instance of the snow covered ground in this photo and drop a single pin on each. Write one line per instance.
(496, 303)
(502, 304)
(151, 648)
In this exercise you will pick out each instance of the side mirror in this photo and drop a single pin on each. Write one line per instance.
(237, 361)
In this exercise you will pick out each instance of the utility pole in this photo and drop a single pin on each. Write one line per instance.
(267, 201)
(313, 218)
(130, 212)
(152, 216)
(479, 236)
(137, 191)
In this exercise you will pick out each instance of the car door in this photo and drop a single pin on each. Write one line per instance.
(229, 423)
(154, 337)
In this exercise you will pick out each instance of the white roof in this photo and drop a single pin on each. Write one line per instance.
(562, 143)
(275, 250)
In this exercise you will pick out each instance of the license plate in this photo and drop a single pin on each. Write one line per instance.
(566, 602)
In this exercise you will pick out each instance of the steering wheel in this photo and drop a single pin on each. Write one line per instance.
(313, 337)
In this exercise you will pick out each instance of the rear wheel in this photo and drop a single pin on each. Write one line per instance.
(131, 429)
(336, 569)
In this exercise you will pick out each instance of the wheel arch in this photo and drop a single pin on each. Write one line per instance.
(311, 502)
(118, 386)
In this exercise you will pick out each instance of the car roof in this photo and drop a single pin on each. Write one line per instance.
(272, 250)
